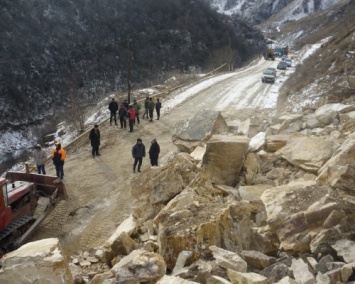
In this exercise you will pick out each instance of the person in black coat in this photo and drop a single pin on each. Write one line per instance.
(95, 140)
(122, 112)
(154, 152)
(113, 107)
(138, 153)
(157, 108)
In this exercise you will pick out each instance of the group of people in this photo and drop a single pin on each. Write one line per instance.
(58, 156)
(138, 150)
(132, 112)
(138, 153)
(126, 110)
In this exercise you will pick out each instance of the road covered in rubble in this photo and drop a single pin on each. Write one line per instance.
(99, 188)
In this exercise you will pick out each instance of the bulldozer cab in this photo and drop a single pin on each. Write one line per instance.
(18, 200)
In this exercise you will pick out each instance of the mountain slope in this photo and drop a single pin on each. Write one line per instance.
(52, 50)
(256, 11)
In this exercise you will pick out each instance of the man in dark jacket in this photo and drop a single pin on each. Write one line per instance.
(113, 107)
(138, 153)
(154, 152)
(58, 157)
(122, 112)
(95, 140)
(157, 108)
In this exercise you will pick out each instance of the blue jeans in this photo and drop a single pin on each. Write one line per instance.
(41, 169)
(60, 170)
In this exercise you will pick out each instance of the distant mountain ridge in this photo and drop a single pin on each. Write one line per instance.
(54, 48)
(258, 11)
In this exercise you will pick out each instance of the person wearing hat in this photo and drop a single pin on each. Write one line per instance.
(94, 137)
(138, 153)
(58, 157)
(154, 152)
(40, 157)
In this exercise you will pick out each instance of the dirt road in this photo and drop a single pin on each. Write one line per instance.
(99, 188)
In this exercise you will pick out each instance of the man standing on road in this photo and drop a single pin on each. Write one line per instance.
(154, 152)
(122, 112)
(146, 108)
(58, 157)
(94, 137)
(138, 153)
(137, 107)
(157, 108)
(40, 157)
(151, 107)
(131, 117)
(113, 107)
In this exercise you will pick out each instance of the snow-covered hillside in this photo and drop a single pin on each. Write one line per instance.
(258, 11)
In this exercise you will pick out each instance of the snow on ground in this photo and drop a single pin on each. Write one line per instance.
(15, 143)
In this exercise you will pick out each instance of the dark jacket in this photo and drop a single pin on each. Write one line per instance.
(158, 105)
(122, 111)
(94, 137)
(154, 150)
(151, 105)
(58, 155)
(146, 103)
(138, 151)
(113, 106)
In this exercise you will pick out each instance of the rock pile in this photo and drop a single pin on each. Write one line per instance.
(276, 206)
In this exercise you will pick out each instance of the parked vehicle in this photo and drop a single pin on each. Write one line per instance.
(19, 194)
(288, 62)
(269, 54)
(272, 69)
(282, 65)
(268, 76)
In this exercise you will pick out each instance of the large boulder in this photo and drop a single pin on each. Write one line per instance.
(327, 113)
(339, 170)
(174, 280)
(308, 153)
(193, 223)
(156, 186)
(290, 214)
(196, 131)
(120, 241)
(224, 158)
(139, 266)
(37, 262)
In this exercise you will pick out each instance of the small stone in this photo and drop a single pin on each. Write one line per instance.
(92, 259)
(85, 263)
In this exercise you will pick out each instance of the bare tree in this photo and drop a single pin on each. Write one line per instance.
(77, 109)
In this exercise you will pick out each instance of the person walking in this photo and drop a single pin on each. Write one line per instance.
(131, 117)
(157, 108)
(113, 107)
(122, 112)
(146, 108)
(94, 137)
(137, 107)
(40, 157)
(154, 151)
(58, 158)
(138, 153)
(151, 107)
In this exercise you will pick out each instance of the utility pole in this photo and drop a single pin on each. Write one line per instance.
(129, 72)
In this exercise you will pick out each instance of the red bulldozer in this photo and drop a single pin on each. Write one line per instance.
(19, 195)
